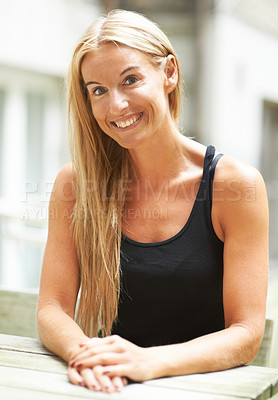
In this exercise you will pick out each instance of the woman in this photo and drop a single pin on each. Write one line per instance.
(167, 241)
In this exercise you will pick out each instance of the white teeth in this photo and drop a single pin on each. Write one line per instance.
(128, 122)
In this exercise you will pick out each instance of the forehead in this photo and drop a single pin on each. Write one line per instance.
(111, 59)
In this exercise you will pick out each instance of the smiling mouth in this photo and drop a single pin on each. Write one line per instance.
(128, 122)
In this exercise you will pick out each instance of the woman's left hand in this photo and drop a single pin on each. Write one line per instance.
(94, 379)
(117, 356)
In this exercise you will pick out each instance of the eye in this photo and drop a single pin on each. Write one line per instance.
(130, 80)
(98, 91)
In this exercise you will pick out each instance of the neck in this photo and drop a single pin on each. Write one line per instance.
(160, 160)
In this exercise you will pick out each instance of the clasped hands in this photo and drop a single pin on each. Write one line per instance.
(104, 364)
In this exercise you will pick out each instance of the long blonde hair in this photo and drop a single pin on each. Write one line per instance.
(102, 169)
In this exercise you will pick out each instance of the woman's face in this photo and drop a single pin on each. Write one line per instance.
(129, 97)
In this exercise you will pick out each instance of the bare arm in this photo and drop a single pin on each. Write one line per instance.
(240, 219)
(60, 274)
(59, 289)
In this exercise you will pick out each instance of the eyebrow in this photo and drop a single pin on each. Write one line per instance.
(122, 73)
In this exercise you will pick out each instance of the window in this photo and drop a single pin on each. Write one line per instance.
(2, 94)
(2, 99)
(35, 123)
(32, 142)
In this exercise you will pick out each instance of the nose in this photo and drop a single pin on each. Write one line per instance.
(117, 102)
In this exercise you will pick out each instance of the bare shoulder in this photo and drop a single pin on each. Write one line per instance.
(63, 196)
(67, 171)
(64, 187)
(234, 180)
(239, 196)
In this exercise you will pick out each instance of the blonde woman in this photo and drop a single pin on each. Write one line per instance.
(165, 240)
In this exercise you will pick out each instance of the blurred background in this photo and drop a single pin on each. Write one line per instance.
(228, 51)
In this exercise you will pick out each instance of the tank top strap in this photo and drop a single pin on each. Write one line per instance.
(213, 166)
(207, 161)
(203, 191)
(206, 187)
(211, 174)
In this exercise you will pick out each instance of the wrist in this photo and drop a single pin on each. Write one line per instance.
(75, 348)
(158, 362)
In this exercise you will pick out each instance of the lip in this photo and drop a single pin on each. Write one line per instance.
(125, 119)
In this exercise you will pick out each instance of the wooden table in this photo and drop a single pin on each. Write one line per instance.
(30, 372)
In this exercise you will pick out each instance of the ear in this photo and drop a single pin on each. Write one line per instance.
(171, 73)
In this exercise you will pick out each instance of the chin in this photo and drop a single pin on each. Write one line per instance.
(129, 143)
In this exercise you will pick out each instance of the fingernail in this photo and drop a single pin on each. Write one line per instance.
(79, 365)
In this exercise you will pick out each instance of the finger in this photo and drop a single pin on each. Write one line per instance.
(85, 346)
(125, 381)
(82, 354)
(104, 344)
(94, 346)
(90, 380)
(118, 383)
(117, 370)
(75, 377)
(104, 381)
(101, 359)
(95, 351)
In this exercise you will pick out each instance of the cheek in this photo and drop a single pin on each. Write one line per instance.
(151, 97)
(98, 112)
(158, 104)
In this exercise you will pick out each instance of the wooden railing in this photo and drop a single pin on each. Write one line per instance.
(18, 317)
(18, 312)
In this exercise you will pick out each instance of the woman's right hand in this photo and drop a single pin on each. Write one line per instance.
(94, 379)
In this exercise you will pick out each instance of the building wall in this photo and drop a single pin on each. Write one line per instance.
(40, 34)
(239, 70)
(37, 38)
(239, 64)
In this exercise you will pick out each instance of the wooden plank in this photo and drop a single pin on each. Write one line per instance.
(18, 312)
(256, 383)
(57, 387)
(29, 353)
(39, 362)
(263, 356)
(249, 382)
(272, 376)
(24, 344)
(23, 394)
(8, 393)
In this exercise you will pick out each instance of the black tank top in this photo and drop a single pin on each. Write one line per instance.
(172, 291)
